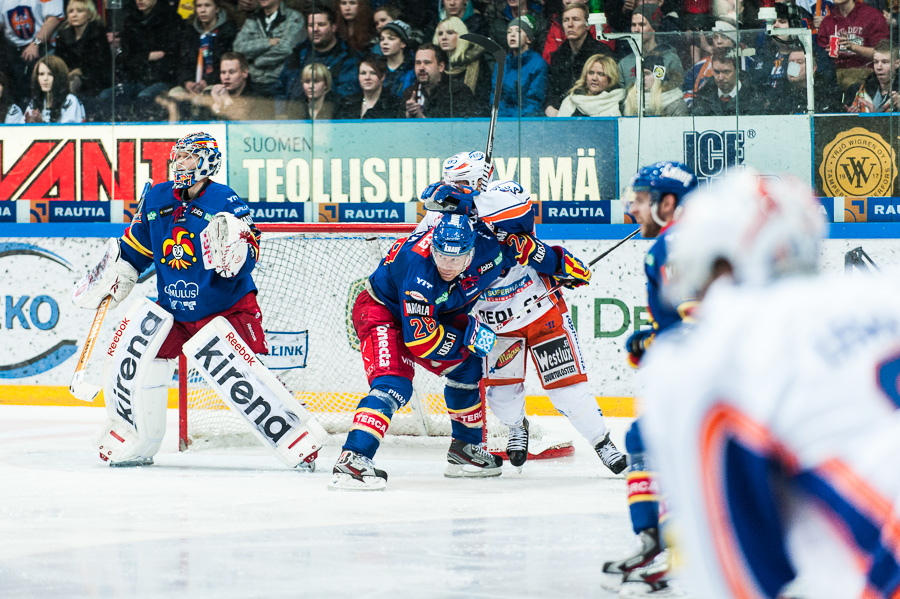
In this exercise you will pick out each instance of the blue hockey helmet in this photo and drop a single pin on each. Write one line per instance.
(453, 236)
(660, 179)
(200, 146)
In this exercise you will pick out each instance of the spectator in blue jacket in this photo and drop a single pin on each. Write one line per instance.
(322, 46)
(525, 74)
(394, 39)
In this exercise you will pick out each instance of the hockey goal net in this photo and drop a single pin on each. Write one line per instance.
(308, 276)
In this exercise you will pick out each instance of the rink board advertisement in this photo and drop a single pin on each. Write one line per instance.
(88, 162)
(395, 160)
(856, 157)
(42, 330)
(712, 145)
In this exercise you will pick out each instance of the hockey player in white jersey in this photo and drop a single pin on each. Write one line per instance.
(774, 422)
(546, 330)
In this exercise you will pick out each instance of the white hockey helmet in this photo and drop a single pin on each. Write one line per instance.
(201, 146)
(763, 227)
(466, 168)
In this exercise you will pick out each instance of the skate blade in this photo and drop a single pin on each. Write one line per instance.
(469, 471)
(345, 482)
(132, 463)
(636, 590)
(308, 467)
(611, 581)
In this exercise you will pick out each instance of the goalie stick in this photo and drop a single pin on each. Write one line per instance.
(526, 309)
(78, 387)
(495, 50)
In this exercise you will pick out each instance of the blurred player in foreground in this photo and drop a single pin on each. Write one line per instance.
(530, 325)
(204, 245)
(774, 420)
(653, 198)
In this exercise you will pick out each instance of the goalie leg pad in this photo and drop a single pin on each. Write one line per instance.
(374, 413)
(135, 386)
(275, 417)
(576, 403)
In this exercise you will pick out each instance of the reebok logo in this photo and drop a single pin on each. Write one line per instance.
(117, 336)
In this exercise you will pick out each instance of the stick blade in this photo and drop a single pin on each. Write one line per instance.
(488, 44)
(85, 391)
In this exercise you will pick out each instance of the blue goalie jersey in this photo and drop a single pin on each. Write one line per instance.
(166, 232)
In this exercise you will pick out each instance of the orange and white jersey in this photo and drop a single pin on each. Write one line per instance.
(507, 206)
(775, 425)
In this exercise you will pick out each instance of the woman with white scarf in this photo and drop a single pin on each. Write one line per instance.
(597, 91)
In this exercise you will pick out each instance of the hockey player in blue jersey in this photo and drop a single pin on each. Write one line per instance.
(652, 198)
(200, 237)
(415, 310)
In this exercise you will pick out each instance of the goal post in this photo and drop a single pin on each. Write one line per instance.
(308, 276)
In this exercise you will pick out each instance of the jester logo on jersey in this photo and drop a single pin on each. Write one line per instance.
(179, 250)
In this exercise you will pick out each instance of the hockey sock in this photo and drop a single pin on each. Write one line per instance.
(374, 412)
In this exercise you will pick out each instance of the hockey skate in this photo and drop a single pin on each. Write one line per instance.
(615, 572)
(470, 460)
(651, 580)
(517, 444)
(611, 457)
(356, 472)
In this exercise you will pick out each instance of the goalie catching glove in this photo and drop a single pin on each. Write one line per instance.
(479, 338)
(637, 345)
(113, 276)
(573, 273)
(225, 243)
(447, 197)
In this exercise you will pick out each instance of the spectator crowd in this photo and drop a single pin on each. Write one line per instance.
(72, 61)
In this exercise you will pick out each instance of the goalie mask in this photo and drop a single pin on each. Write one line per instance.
(660, 179)
(194, 157)
(467, 168)
(764, 228)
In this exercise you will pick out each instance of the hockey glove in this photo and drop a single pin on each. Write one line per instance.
(637, 345)
(573, 271)
(529, 251)
(113, 276)
(479, 338)
(444, 197)
(225, 244)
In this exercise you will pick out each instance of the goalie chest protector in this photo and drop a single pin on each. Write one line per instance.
(166, 232)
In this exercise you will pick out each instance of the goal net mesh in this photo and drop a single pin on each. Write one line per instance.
(308, 282)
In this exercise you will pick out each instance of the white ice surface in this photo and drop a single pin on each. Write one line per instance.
(237, 524)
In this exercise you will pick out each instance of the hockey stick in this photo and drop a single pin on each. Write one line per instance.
(499, 55)
(78, 387)
(526, 309)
